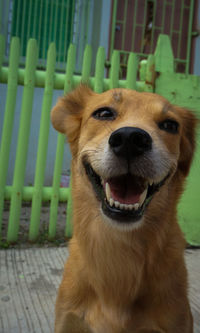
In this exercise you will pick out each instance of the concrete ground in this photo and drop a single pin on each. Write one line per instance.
(30, 277)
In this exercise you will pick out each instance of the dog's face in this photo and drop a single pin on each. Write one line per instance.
(129, 145)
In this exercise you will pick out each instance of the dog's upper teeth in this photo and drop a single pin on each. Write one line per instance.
(143, 197)
(151, 182)
(108, 196)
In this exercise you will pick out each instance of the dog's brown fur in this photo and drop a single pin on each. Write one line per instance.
(124, 281)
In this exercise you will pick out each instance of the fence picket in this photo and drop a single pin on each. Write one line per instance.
(86, 67)
(8, 118)
(42, 144)
(23, 138)
(68, 85)
(150, 74)
(132, 71)
(99, 70)
(114, 70)
(164, 58)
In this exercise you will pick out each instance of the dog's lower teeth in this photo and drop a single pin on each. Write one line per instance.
(136, 206)
(117, 204)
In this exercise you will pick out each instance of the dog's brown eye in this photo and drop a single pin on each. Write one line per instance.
(104, 113)
(169, 125)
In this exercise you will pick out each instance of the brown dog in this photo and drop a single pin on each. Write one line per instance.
(131, 153)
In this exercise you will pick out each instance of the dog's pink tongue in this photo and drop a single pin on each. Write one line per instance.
(125, 189)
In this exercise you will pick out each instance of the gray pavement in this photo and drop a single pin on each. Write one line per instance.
(30, 277)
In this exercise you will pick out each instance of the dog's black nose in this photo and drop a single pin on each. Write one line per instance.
(129, 142)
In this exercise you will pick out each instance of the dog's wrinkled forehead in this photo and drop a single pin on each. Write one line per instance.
(132, 99)
(117, 96)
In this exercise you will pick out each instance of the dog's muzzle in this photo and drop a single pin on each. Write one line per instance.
(125, 197)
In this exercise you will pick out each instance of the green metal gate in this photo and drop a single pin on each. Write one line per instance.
(45, 20)
(136, 25)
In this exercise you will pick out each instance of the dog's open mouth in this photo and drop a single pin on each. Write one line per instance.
(124, 198)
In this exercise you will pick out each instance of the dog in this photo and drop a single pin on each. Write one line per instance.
(131, 153)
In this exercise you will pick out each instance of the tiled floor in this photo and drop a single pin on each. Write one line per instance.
(29, 279)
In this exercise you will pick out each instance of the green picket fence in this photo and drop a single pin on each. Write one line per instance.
(30, 78)
(49, 80)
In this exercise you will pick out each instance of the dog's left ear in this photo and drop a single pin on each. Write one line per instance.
(188, 142)
(67, 114)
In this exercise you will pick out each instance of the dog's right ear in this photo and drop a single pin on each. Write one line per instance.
(67, 114)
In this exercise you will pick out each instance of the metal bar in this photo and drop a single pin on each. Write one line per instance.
(29, 20)
(68, 85)
(176, 31)
(8, 118)
(124, 26)
(65, 40)
(114, 15)
(22, 24)
(134, 24)
(51, 20)
(39, 35)
(28, 192)
(189, 36)
(17, 20)
(132, 71)
(139, 25)
(87, 9)
(71, 28)
(143, 26)
(59, 78)
(42, 144)
(163, 16)
(35, 18)
(60, 46)
(45, 31)
(180, 29)
(172, 19)
(83, 19)
(72, 20)
(23, 138)
(153, 26)
(180, 60)
(55, 22)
